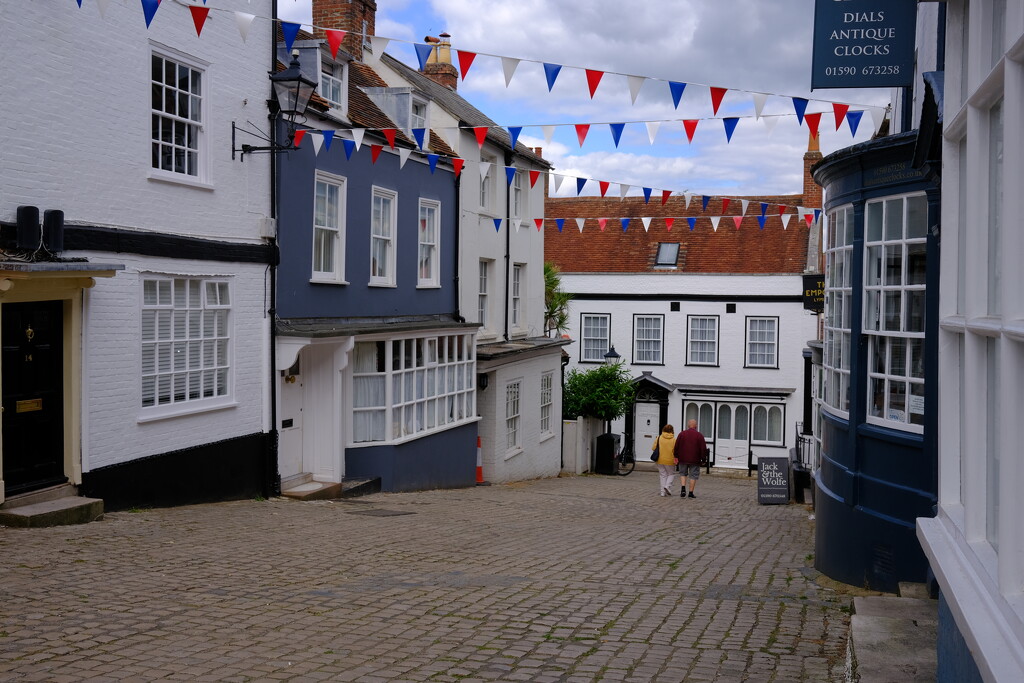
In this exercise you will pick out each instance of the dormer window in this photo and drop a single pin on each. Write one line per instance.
(668, 255)
(333, 86)
(418, 115)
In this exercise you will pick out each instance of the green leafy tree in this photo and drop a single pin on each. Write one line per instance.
(556, 302)
(605, 392)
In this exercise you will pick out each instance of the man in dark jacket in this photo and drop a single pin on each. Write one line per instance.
(690, 447)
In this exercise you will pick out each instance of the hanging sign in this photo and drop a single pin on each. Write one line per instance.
(772, 480)
(814, 292)
(863, 43)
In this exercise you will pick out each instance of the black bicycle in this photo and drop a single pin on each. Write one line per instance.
(624, 463)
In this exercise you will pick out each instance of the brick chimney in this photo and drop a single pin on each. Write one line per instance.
(356, 17)
(812, 191)
(439, 67)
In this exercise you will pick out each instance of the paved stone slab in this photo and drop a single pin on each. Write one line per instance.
(570, 579)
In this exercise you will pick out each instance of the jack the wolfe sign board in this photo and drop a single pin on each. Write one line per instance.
(773, 480)
(863, 43)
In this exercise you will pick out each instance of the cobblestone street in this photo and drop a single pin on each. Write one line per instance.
(570, 579)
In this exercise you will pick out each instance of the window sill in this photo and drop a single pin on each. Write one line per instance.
(166, 413)
(513, 453)
(324, 281)
(428, 286)
(760, 367)
(413, 437)
(986, 326)
(701, 365)
(546, 436)
(385, 285)
(177, 179)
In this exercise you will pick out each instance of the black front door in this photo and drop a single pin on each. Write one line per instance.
(33, 400)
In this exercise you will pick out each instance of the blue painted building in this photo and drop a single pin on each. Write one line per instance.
(375, 368)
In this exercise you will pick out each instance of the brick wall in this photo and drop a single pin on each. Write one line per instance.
(346, 15)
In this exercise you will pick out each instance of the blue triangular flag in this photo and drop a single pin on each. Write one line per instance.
(692, 222)
(817, 215)
(853, 118)
(350, 146)
(730, 126)
(289, 29)
(497, 224)
(647, 195)
(677, 92)
(328, 138)
(761, 219)
(149, 9)
(80, 3)
(551, 73)
(513, 132)
(580, 182)
(559, 222)
(422, 53)
(705, 199)
(616, 131)
(764, 208)
(800, 104)
(510, 173)
(432, 161)
(419, 134)
(625, 224)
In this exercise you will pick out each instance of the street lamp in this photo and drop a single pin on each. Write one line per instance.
(292, 91)
(612, 357)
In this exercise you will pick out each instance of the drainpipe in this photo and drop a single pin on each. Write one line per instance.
(508, 244)
(272, 482)
(458, 231)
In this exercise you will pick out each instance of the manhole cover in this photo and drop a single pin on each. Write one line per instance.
(379, 513)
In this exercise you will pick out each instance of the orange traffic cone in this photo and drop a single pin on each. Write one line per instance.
(480, 465)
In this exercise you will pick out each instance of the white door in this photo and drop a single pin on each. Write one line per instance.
(645, 428)
(732, 436)
(289, 450)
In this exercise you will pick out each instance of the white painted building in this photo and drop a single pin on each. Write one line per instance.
(156, 333)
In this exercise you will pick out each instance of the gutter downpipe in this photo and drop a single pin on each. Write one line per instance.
(508, 244)
(458, 232)
(272, 482)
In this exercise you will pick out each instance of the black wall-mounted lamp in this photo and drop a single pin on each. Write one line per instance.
(292, 91)
(612, 357)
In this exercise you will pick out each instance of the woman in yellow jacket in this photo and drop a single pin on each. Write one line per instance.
(664, 446)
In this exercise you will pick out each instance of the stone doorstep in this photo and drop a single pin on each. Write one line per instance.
(893, 639)
(58, 512)
(348, 488)
(40, 496)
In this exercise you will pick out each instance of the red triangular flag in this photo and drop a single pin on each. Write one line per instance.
(602, 222)
(481, 134)
(593, 78)
(813, 120)
(840, 112)
(458, 163)
(716, 98)
(725, 204)
(737, 220)
(539, 222)
(669, 222)
(809, 217)
(334, 38)
(604, 186)
(691, 128)
(665, 194)
(465, 61)
(533, 177)
(299, 134)
(581, 132)
(389, 135)
(375, 152)
(782, 209)
(199, 15)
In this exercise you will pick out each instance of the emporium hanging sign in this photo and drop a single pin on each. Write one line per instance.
(863, 43)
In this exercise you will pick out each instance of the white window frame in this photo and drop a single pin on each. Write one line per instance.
(761, 435)
(513, 417)
(197, 125)
(334, 78)
(429, 245)
(488, 186)
(519, 196)
(750, 341)
(330, 232)
(483, 299)
(386, 238)
(655, 354)
(517, 294)
(418, 121)
(704, 412)
(838, 299)
(660, 262)
(422, 384)
(186, 345)
(692, 340)
(546, 400)
(590, 353)
(895, 353)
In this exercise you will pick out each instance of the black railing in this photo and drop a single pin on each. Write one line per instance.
(805, 453)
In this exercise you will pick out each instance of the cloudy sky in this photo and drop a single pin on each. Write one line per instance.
(747, 46)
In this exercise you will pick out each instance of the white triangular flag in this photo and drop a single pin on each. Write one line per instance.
(635, 83)
(403, 156)
(689, 196)
(558, 181)
(877, 116)
(759, 99)
(549, 132)
(785, 220)
(508, 65)
(518, 222)
(357, 137)
(484, 168)
(770, 122)
(623, 190)
(242, 20)
(580, 222)
(102, 6)
(318, 141)
(745, 203)
(377, 47)
(714, 222)
(647, 223)
(652, 129)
